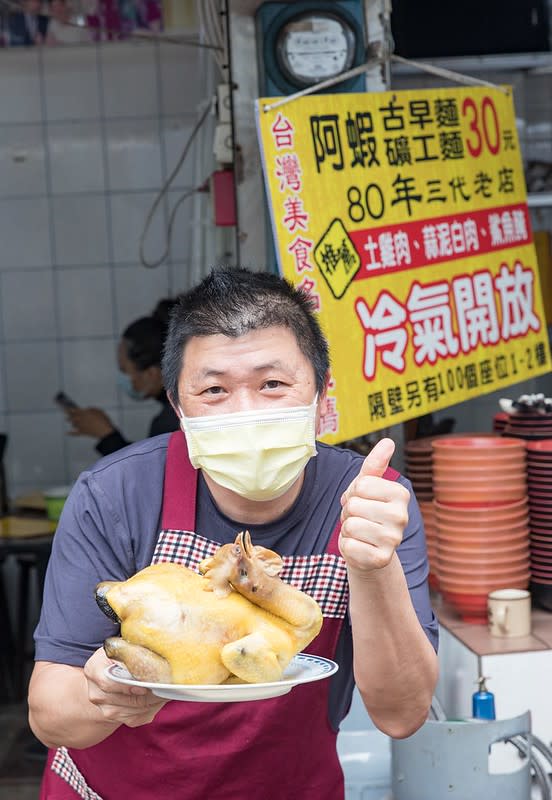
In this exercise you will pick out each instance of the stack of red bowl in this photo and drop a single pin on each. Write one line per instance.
(482, 527)
(539, 479)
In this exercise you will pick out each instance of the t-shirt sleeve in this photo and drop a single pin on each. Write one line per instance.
(90, 545)
(412, 553)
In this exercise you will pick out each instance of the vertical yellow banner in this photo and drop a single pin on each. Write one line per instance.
(404, 215)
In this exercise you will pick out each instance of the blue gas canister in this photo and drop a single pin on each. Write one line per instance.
(483, 703)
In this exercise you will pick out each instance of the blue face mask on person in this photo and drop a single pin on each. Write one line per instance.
(125, 383)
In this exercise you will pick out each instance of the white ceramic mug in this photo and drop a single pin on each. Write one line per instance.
(509, 612)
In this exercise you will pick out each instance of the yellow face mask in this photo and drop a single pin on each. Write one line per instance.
(257, 454)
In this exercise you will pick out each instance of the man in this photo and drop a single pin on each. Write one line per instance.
(246, 368)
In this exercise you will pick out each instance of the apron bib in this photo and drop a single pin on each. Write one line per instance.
(277, 749)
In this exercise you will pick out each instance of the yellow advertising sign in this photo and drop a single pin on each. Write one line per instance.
(404, 215)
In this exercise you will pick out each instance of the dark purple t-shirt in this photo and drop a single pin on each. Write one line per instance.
(112, 518)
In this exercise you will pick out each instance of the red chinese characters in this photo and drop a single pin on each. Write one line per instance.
(295, 217)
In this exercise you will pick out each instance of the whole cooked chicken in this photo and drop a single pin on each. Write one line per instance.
(235, 622)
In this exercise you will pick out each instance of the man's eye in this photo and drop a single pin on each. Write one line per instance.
(273, 384)
(213, 390)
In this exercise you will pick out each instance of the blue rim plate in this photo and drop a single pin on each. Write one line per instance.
(304, 668)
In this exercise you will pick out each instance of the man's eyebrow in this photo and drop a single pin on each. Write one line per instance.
(211, 372)
(272, 365)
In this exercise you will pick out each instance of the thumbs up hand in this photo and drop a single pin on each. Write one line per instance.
(374, 513)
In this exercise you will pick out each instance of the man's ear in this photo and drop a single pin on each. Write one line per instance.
(323, 398)
(174, 405)
(322, 408)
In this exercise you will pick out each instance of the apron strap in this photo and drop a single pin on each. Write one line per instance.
(391, 474)
(180, 487)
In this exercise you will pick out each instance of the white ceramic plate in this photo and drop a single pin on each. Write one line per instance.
(303, 668)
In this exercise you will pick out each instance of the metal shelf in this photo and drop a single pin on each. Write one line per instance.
(534, 63)
(539, 199)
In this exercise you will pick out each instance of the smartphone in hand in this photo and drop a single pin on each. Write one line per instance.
(63, 401)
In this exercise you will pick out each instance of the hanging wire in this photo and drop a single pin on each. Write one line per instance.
(215, 23)
(164, 189)
(457, 77)
(541, 775)
(211, 29)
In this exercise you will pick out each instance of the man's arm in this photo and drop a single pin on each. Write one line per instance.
(79, 707)
(395, 665)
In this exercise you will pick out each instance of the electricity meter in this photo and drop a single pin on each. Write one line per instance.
(303, 43)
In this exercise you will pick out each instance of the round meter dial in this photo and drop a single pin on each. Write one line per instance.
(313, 47)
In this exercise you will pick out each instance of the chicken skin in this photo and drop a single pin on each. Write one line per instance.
(235, 622)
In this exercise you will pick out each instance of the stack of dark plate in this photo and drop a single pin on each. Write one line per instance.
(500, 421)
(427, 510)
(539, 480)
(529, 417)
(418, 458)
(419, 471)
(531, 426)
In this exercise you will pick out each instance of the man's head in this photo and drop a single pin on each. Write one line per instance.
(234, 302)
(141, 349)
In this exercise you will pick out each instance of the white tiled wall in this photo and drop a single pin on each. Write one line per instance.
(88, 136)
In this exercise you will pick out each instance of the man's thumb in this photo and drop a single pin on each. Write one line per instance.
(377, 460)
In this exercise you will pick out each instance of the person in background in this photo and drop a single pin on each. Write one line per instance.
(61, 29)
(28, 26)
(139, 356)
(246, 367)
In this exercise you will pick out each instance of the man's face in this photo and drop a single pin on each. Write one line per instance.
(141, 379)
(263, 369)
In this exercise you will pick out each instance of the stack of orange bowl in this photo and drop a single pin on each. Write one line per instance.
(539, 477)
(418, 455)
(482, 522)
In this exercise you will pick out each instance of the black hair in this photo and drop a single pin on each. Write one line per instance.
(145, 337)
(233, 301)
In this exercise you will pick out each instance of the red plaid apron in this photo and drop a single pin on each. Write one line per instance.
(271, 749)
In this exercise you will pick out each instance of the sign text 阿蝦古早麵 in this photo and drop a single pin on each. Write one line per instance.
(404, 215)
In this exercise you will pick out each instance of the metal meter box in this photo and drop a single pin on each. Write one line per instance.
(302, 43)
